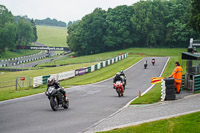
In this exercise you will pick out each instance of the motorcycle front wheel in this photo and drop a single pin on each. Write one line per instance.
(66, 104)
(119, 92)
(54, 103)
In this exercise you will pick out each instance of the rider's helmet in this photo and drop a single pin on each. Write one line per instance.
(121, 71)
(117, 74)
(51, 81)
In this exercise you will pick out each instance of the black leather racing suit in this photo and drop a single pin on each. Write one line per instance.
(117, 78)
(57, 85)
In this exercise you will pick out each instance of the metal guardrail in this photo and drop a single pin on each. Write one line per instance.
(22, 57)
(22, 60)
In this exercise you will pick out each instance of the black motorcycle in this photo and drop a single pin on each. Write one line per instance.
(56, 98)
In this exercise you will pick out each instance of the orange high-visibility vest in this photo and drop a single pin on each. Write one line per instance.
(177, 74)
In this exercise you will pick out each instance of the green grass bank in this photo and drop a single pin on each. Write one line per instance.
(52, 36)
(181, 124)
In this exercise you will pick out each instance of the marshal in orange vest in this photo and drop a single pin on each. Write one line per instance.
(177, 75)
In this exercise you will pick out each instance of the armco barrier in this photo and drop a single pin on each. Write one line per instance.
(20, 57)
(37, 81)
(44, 79)
(163, 90)
(80, 71)
(99, 66)
(92, 68)
(65, 75)
(89, 69)
(9, 62)
(95, 67)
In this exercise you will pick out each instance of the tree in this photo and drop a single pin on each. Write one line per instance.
(195, 16)
(9, 35)
(118, 31)
(15, 30)
(24, 32)
(5, 16)
(50, 22)
(178, 34)
(156, 23)
(69, 23)
(86, 37)
(34, 30)
(149, 21)
(7, 29)
(74, 38)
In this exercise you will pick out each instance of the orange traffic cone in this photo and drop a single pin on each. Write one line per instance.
(139, 94)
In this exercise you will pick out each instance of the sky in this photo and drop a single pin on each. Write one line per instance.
(62, 10)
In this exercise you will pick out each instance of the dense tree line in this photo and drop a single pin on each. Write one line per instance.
(70, 23)
(151, 23)
(50, 22)
(47, 21)
(195, 17)
(15, 31)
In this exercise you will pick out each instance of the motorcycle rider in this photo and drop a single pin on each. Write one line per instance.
(153, 61)
(123, 75)
(52, 82)
(145, 64)
(118, 78)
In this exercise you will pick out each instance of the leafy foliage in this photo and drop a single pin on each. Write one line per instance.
(178, 34)
(7, 29)
(151, 23)
(118, 31)
(50, 22)
(24, 32)
(15, 31)
(195, 17)
(86, 37)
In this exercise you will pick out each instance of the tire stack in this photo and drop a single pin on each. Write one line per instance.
(170, 89)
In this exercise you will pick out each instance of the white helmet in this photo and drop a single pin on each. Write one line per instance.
(51, 80)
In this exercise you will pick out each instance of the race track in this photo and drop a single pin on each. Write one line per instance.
(88, 104)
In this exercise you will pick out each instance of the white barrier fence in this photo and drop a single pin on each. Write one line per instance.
(37, 81)
(163, 90)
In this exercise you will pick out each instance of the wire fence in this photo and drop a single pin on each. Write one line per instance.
(7, 84)
(23, 82)
(20, 82)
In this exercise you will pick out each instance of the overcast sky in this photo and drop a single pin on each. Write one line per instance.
(64, 10)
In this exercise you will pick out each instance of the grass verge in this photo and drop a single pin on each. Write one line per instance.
(10, 92)
(181, 124)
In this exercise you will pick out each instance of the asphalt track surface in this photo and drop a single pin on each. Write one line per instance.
(88, 104)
